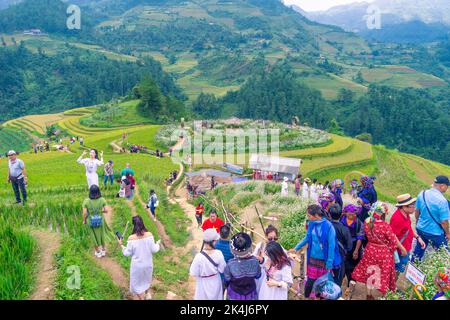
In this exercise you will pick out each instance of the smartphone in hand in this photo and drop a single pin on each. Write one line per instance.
(119, 236)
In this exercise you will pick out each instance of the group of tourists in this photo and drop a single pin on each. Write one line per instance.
(232, 268)
(41, 146)
(352, 241)
(266, 175)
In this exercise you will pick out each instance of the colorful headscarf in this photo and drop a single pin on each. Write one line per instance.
(367, 181)
(325, 199)
(442, 278)
(337, 182)
(351, 208)
(377, 210)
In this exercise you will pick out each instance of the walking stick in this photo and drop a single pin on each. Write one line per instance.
(259, 217)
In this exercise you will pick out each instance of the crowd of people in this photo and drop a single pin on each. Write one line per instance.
(353, 242)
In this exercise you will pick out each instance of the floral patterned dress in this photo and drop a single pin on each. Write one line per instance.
(377, 268)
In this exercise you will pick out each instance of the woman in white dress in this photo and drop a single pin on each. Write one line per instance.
(305, 188)
(285, 187)
(278, 274)
(140, 247)
(313, 191)
(207, 266)
(91, 164)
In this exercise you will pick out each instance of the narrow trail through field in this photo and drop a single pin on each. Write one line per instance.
(49, 244)
(196, 235)
(112, 267)
(165, 239)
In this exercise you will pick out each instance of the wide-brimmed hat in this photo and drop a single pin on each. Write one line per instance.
(210, 235)
(241, 245)
(286, 179)
(307, 180)
(404, 200)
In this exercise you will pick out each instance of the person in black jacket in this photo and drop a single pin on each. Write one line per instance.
(344, 240)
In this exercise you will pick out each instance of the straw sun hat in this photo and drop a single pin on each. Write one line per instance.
(405, 200)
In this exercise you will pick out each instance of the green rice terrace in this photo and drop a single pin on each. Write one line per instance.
(45, 243)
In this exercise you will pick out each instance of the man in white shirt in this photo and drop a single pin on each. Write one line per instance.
(17, 176)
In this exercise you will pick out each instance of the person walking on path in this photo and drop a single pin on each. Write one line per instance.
(326, 200)
(432, 216)
(199, 211)
(344, 240)
(356, 228)
(278, 275)
(91, 164)
(376, 268)
(297, 185)
(109, 173)
(17, 175)
(213, 222)
(271, 234)
(243, 270)
(305, 188)
(140, 247)
(223, 244)
(127, 170)
(285, 187)
(93, 209)
(132, 180)
(401, 225)
(153, 203)
(323, 252)
(367, 196)
(207, 267)
(313, 195)
(336, 190)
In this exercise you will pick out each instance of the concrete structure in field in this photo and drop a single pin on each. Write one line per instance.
(285, 167)
(34, 32)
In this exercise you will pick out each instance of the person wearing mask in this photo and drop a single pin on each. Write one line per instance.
(207, 267)
(278, 279)
(199, 211)
(223, 244)
(344, 240)
(243, 270)
(109, 173)
(376, 268)
(350, 220)
(94, 208)
(213, 222)
(91, 164)
(271, 234)
(367, 196)
(17, 176)
(401, 225)
(140, 247)
(323, 252)
(432, 216)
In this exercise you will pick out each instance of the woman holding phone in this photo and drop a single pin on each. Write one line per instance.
(140, 247)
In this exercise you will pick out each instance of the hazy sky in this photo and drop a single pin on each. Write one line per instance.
(316, 5)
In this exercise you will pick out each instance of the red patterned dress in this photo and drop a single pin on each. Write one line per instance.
(376, 268)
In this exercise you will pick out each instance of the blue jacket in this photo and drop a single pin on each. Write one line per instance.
(224, 246)
(322, 245)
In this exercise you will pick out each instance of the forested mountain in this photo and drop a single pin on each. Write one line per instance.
(249, 58)
(40, 83)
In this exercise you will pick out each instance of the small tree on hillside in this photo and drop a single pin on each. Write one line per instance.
(151, 103)
(335, 128)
